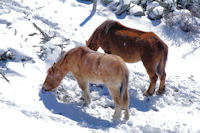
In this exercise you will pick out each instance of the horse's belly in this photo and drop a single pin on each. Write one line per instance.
(130, 57)
(95, 80)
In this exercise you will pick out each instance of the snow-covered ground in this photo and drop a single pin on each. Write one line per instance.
(25, 108)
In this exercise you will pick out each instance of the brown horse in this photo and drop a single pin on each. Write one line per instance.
(89, 66)
(133, 45)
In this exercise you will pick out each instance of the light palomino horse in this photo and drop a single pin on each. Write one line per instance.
(133, 45)
(89, 66)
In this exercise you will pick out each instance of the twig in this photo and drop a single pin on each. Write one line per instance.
(3, 75)
(40, 7)
(131, 6)
(39, 29)
(191, 52)
(46, 37)
(33, 34)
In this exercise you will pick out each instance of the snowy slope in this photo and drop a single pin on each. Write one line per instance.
(24, 107)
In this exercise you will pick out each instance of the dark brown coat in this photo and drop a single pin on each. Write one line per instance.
(133, 45)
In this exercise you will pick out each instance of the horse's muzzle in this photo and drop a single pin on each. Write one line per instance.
(43, 89)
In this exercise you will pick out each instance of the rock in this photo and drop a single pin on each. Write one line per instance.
(123, 6)
(106, 2)
(137, 2)
(143, 2)
(6, 56)
(154, 10)
(156, 13)
(113, 5)
(136, 11)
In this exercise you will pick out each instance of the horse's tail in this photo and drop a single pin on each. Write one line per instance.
(124, 86)
(163, 61)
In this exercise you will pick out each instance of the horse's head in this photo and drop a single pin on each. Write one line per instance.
(92, 45)
(53, 78)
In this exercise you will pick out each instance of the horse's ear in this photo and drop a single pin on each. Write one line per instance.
(54, 66)
(86, 43)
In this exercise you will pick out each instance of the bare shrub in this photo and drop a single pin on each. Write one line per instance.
(195, 9)
(188, 23)
(183, 19)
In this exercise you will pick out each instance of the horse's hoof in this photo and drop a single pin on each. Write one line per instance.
(126, 117)
(148, 94)
(160, 92)
(86, 104)
(116, 116)
(116, 120)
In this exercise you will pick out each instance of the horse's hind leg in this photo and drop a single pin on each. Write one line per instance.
(162, 77)
(119, 103)
(151, 70)
(117, 113)
(116, 97)
(126, 105)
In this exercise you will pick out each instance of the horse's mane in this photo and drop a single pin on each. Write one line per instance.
(58, 61)
(110, 25)
(65, 56)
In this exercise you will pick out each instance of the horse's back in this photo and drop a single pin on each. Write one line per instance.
(132, 45)
(112, 70)
(99, 67)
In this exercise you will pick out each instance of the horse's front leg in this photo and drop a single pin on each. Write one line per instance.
(85, 90)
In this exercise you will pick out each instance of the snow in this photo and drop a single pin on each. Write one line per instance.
(24, 107)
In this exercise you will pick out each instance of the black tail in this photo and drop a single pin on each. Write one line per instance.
(163, 61)
(124, 85)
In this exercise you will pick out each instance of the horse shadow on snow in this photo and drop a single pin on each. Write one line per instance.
(73, 112)
(77, 113)
(144, 104)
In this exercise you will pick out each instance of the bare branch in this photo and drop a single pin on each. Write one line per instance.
(46, 37)
(3, 75)
(191, 52)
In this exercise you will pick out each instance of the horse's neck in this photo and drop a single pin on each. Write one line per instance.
(62, 65)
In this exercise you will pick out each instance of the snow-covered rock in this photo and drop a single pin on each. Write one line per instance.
(106, 2)
(136, 10)
(156, 13)
(113, 5)
(124, 5)
(154, 10)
